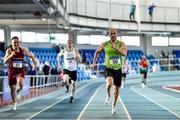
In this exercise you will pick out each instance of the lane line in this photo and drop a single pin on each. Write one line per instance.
(178, 116)
(62, 98)
(164, 94)
(164, 87)
(125, 109)
(84, 109)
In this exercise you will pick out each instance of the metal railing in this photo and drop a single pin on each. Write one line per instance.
(34, 86)
(157, 65)
(39, 85)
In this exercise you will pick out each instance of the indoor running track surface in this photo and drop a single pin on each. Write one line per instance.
(134, 103)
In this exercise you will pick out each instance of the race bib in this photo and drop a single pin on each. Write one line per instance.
(71, 64)
(17, 64)
(115, 60)
(143, 68)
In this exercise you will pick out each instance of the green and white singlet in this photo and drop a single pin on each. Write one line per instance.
(113, 59)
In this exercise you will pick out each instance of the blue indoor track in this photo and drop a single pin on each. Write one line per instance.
(135, 103)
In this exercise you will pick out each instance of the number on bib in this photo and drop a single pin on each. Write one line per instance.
(17, 64)
(114, 60)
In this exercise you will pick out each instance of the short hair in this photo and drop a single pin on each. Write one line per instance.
(113, 29)
(143, 57)
(70, 40)
(15, 37)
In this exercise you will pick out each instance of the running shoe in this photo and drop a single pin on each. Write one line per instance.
(113, 110)
(107, 100)
(14, 106)
(71, 99)
(143, 85)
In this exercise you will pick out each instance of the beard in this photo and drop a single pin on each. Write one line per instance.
(113, 38)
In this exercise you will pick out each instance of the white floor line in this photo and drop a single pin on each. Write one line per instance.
(21, 103)
(125, 109)
(63, 97)
(82, 112)
(165, 94)
(178, 116)
(166, 87)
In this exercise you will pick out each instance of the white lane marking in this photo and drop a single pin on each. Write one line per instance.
(156, 103)
(82, 112)
(166, 87)
(165, 94)
(63, 97)
(125, 109)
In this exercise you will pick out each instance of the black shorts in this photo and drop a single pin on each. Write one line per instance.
(72, 74)
(150, 13)
(145, 74)
(124, 75)
(115, 74)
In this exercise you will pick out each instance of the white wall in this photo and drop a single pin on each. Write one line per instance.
(145, 43)
(152, 49)
(160, 3)
(166, 10)
(145, 46)
(36, 45)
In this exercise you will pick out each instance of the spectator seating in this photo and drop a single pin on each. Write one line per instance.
(133, 57)
(1, 53)
(45, 54)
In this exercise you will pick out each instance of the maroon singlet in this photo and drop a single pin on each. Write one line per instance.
(15, 67)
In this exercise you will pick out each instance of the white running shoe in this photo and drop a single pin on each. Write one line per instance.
(107, 100)
(122, 87)
(143, 85)
(113, 110)
(14, 106)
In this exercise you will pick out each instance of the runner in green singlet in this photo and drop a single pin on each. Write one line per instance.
(114, 51)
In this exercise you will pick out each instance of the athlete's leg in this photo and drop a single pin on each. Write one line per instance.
(145, 76)
(142, 77)
(108, 89)
(13, 96)
(123, 82)
(73, 87)
(20, 81)
(108, 85)
(143, 80)
(13, 92)
(66, 81)
(73, 91)
(12, 85)
(116, 94)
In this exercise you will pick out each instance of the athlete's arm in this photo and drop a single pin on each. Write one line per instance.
(128, 68)
(97, 52)
(27, 53)
(79, 59)
(147, 62)
(140, 63)
(122, 49)
(9, 54)
(59, 59)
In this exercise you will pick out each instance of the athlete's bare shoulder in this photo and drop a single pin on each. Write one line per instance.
(9, 50)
